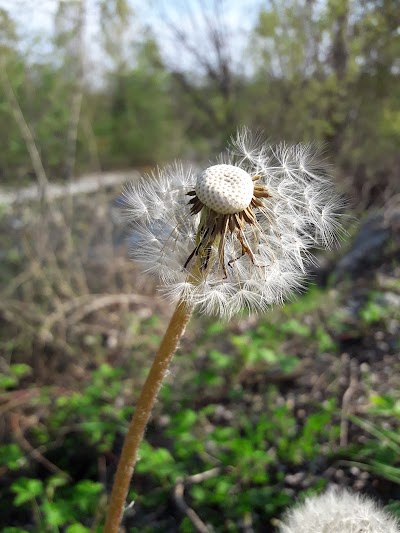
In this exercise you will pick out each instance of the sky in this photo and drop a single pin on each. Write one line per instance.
(34, 20)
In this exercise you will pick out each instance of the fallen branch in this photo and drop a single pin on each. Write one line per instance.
(179, 491)
(198, 524)
(85, 305)
(33, 452)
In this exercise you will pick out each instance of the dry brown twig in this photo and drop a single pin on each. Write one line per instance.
(33, 452)
(84, 305)
(198, 524)
(346, 403)
(12, 399)
(180, 502)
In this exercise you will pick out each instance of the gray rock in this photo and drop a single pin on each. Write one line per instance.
(370, 245)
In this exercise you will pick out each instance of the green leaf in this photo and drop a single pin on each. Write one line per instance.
(220, 360)
(263, 354)
(53, 483)
(20, 370)
(12, 456)
(77, 528)
(86, 486)
(325, 341)
(86, 494)
(184, 420)
(215, 328)
(294, 326)
(385, 437)
(56, 513)
(26, 490)
(7, 382)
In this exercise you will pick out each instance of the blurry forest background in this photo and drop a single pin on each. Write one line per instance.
(260, 411)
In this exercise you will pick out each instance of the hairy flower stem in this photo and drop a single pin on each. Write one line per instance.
(143, 410)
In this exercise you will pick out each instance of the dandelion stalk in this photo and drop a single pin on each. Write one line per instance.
(143, 410)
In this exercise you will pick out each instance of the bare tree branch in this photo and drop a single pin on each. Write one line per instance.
(213, 59)
(77, 45)
(26, 133)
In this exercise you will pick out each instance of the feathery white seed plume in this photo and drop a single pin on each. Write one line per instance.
(339, 511)
(246, 226)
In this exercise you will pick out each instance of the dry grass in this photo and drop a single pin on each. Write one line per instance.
(69, 285)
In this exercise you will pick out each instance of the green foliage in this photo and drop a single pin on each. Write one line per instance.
(372, 312)
(26, 490)
(12, 456)
(246, 452)
(248, 441)
(57, 502)
(92, 409)
(253, 351)
(14, 373)
(124, 121)
(314, 71)
(380, 454)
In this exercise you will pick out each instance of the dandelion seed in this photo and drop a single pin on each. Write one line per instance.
(240, 234)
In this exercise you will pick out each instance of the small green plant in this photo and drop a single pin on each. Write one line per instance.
(57, 502)
(92, 412)
(88, 417)
(381, 452)
(13, 375)
(241, 458)
(378, 307)
(13, 458)
(373, 312)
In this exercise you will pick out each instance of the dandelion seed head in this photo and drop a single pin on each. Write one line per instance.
(338, 511)
(225, 189)
(239, 234)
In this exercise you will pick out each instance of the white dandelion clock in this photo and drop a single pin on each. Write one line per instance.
(240, 234)
(338, 511)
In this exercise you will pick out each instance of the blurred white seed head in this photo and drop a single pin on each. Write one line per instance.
(339, 511)
(239, 234)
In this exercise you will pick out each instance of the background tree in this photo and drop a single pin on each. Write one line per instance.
(179, 83)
